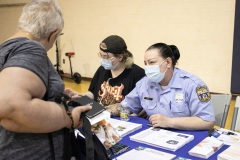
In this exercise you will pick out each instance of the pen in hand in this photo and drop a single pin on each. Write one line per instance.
(149, 124)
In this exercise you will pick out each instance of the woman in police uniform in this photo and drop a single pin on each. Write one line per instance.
(171, 97)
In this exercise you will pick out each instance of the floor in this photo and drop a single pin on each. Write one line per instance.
(83, 87)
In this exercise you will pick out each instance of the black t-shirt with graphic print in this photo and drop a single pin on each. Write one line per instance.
(108, 90)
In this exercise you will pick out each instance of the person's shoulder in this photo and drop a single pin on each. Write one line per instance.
(24, 47)
(23, 43)
(31, 44)
(31, 47)
(137, 69)
(137, 72)
(189, 76)
(195, 83)
(135, 66)
(143, 81)
(101, 71)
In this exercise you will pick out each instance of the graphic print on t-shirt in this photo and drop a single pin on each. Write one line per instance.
(110, 94)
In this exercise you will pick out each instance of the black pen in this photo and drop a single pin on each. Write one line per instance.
(170, 105)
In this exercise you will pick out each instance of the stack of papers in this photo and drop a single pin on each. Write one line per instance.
(227, 136)
(231, 153)
(162, 138)
(206, 147)
(142, 153)
(104, 115)
(124, 128)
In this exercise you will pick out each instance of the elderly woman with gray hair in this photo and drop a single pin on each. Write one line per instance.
(31, 123)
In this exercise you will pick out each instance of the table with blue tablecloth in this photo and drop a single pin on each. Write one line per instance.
(183, 151)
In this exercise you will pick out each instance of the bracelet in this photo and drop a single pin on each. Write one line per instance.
(70, 116)
(69, 113)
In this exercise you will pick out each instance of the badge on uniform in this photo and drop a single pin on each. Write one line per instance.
(203, 93)
(179, 98)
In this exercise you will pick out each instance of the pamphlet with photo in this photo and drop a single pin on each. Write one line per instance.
(206, 147)
(162, 138)
(106, 133)
(124, 128)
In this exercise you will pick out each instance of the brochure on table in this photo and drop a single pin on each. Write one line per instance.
(124, 128)
(231, 153)
(162, 138)
(206, 147)
(227, 136)
(142, 153)
(104, 115)
(109, 130)
(103, 129)
(106, 133)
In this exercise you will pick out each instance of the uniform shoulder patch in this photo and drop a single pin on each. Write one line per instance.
(203, 94)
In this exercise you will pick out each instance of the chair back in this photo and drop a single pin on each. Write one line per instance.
(236, 116)
(221, 103)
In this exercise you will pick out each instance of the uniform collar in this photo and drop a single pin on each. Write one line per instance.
(176, 79)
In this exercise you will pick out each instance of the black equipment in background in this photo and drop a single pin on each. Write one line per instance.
(75, 76)
(57, 59)
(235, 79)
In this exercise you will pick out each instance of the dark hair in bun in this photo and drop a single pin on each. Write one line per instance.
(167, 51)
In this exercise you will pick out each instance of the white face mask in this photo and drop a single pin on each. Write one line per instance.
(107, 64)
(153, 73)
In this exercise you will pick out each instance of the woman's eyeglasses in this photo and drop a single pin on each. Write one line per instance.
(106, 56)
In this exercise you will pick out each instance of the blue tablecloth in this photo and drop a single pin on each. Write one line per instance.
(183, 151)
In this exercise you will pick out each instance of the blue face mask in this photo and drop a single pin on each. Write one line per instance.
(107, 64)
(153, 73)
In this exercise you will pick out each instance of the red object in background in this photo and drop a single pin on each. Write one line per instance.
(70, 54)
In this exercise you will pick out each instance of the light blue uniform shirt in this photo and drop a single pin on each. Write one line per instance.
(185, 96)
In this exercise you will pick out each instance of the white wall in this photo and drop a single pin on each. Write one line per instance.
(201, 29)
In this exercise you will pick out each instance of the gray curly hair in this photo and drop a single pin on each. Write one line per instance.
(41, 18)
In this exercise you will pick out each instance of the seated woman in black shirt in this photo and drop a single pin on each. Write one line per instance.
(116, 76)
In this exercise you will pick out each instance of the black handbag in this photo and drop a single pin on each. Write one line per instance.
(88, 148)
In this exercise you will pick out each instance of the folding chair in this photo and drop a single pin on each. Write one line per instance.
(236, 116)
(221, 103)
